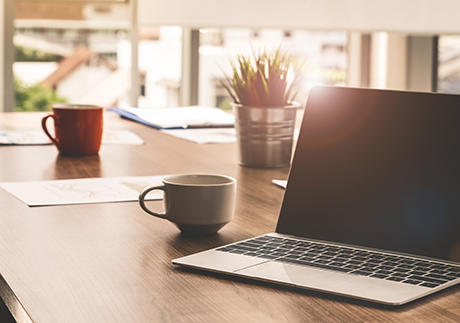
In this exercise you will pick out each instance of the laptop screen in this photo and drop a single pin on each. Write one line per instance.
(377, 168)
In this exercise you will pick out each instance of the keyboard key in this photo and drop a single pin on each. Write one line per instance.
(238, 251)
(454, 269)
(421, 268)
(383, 268)
(440, 277)
(311, 264)
(439, 272)
(361, 273)
(225, 249)
(384, 272)
(418, 273)
(244, 248)
(401, 270)
(337, 263)
(390, 263)
(427, 279)
(370, 265)
(266, 248)
(400, 275)
(431, 285)
(412, 282)
(260, 239)
(380, 276)
(267, 256)
(301, 249)
(278, 254)
(396, 279)
(423, 263)
(284, 248)
(344, 256)
(332, 249)
(368, 270)
(352, 267)
(361, 254)
(310, 259)
(390, 258)
(353, 262)
(359, 258)
(438, 266)
(272, 244)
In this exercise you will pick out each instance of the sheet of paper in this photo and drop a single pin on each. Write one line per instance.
(26, 137)
(84, 190)
(280, 182)
(38, 137)
(121, 137)
(205, 135)
(182, 117)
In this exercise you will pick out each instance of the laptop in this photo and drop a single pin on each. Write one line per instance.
(371, 208)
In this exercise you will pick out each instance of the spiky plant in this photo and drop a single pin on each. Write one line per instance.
(267, 81)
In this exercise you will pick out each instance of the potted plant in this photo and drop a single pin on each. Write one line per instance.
(262, 90)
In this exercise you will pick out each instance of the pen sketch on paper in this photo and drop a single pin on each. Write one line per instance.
(83, 191)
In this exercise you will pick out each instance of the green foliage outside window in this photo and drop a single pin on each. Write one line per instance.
(34, 98)
(23, 54)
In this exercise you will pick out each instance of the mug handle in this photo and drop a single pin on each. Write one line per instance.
(144, 192)
(45, 129)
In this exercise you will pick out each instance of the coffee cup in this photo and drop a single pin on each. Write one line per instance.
(195, 203)
(77, 128)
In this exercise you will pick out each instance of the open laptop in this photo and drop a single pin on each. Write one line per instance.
(372, 204)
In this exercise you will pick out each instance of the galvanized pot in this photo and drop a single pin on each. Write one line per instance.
(265, 135)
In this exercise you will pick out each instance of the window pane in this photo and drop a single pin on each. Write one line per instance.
(67, 51)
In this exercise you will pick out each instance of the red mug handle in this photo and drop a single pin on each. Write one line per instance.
(54, 140)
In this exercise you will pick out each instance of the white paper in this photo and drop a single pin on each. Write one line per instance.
(25, 137)
(121, 137)
(84, 190)
(280, 182)
(205, 135)
(184, 117)
(38, 137)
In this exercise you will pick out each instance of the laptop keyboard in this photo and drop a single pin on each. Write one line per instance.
(347, 260)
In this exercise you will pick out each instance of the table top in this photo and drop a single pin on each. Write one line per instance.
(112, 262)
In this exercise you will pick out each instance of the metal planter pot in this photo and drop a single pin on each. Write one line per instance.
(265, 135)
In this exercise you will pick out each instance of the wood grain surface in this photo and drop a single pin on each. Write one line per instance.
(112, 262)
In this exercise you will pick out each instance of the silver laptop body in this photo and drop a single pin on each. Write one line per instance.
(371, 208)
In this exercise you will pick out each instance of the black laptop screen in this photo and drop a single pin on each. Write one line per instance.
(379, 169)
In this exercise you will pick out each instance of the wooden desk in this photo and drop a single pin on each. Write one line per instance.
(112, 262)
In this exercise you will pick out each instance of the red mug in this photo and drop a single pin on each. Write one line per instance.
(77, 128)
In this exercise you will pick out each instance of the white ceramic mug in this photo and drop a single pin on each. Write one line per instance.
(196, 203)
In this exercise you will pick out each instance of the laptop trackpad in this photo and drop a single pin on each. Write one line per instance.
(334, 282)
